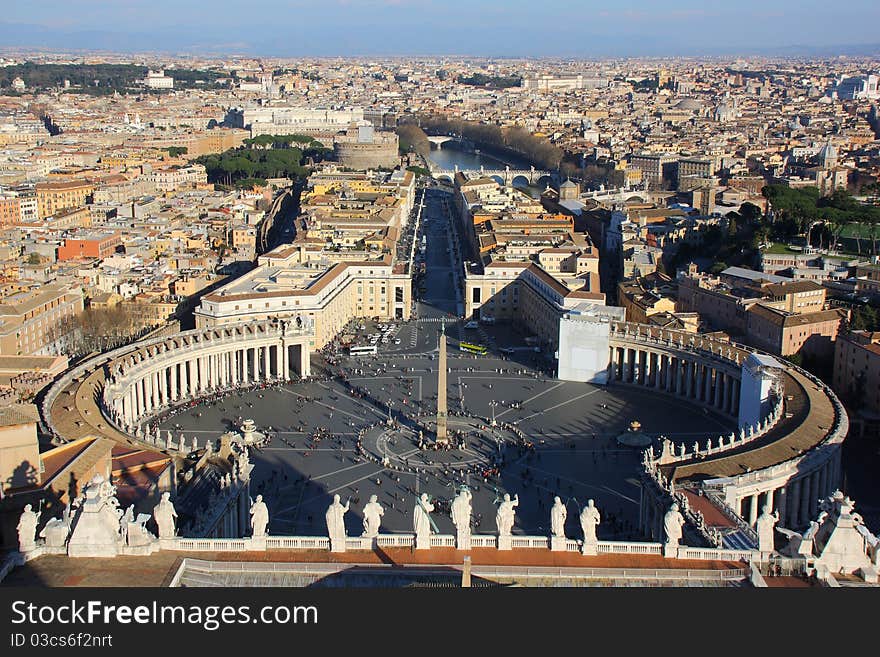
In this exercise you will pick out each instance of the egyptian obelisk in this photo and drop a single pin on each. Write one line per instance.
(442, 436)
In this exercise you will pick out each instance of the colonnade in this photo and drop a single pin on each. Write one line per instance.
(797, 499)
(162, 375)
(682, 374)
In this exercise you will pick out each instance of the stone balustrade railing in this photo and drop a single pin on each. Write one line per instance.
(728, 353)
(813, 457)
(360, 543)
(364, 544)
(668, 491)
(723, 443)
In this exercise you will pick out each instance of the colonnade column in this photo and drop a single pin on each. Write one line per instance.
(795, 515)
(769, 500)
(191, 377)
(781, 505)
(805, 500)
(163, 385)
(815, 493)
(823, 481)
(305, 365)
(753, 510)
(173, 370)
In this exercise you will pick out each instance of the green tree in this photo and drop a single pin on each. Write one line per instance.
(750, 212)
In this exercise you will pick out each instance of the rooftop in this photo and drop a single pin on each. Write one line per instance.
(158, 569)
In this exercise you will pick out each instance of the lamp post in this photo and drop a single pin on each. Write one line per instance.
(492, 405)
(390, 404)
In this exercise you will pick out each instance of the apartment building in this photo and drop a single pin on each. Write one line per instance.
(10, 210)
(173, 178)
(89, 245)
(35, 321)
(784, 333)
(646, 296)
(857, 370)
(55, 196)
(659, 170)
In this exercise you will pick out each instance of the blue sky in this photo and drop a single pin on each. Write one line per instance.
(455, 27)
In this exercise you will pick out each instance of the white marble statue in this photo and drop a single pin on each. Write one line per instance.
(461, 511)
(124, 521)
(373, 513)
(558, 514)
(27, 529)
(422, 520)
(164, 515)
(136, 534)
(505, 515)
(335, 517)
(673, 521)
(764, 526)
(57, 530)
(259, 518)
(590, 519)
(242, 461)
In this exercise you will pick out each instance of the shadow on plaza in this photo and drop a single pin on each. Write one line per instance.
(410, 577)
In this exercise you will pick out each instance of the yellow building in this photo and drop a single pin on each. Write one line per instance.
(52, 197)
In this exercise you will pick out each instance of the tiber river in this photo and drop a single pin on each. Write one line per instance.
(450, 155)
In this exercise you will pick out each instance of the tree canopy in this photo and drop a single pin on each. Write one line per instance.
(101, 79)
(537, 150)
(491, 81)
(254, 162)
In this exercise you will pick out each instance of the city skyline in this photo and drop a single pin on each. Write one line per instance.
(559, 28)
